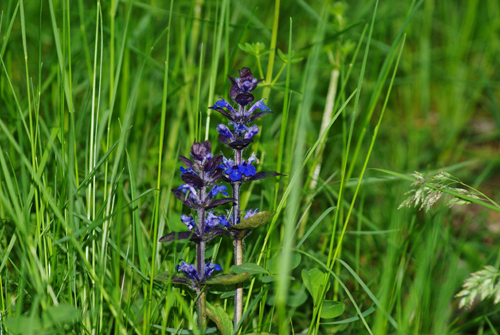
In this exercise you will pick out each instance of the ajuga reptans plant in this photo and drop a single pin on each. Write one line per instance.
(203, 177)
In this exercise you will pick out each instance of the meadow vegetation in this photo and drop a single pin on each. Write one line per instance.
(98, 99)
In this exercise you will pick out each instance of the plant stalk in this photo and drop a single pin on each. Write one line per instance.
(200, 265)
(238, 246)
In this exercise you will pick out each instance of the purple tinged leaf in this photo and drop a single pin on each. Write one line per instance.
(240, 144)
(244, 99)
(184, 198)
(186, 161)
(216, 232)
(176, 236)
(213, 163)
(192, 180)
(223, 139)
(264, 174)
(231, 79)
(218, 202)
(223, 112)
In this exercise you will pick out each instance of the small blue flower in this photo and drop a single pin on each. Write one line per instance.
(193, 195)
(225, 222)
(234, 173)
(189, 270)
(258, 105)
(224, 104)
(188, 221)
(246, 169)
(218, 189)
(211, 221)
(223, 130)
(226, 163)
(187, 171)
(210, 268)
(251, 132)
(239, 128)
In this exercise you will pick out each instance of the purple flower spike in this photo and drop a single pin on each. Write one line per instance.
(188, 221)
(189, 270)
(251, 132)
(210, 268)
(223, 130)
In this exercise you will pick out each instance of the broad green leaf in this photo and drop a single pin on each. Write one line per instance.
(219, 316)
(267, 279)
(251, 268)
(314, 280)
(23, 325)
(297, 298)
(64, 313)
(254, 221)
(331, 309)
(273, 264)
(227, 279)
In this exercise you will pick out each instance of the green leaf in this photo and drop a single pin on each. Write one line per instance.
(297, 298)
(219, 316)
(64, 313)
(314, 280)
(227, 294)
(254, 221)
(251, 268)
(23, 325)
(273, 264)
(331, 309)
(227, 279)
(267, 279)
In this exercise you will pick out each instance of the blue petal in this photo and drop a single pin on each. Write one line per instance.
(235, 175)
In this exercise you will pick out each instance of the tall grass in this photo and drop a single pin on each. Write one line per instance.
(98, 99)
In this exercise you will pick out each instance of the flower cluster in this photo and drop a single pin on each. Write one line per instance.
(202, 176)
(201, 173)
(190, 270)
(242, 133)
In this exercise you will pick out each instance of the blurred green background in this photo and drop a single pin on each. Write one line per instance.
(86, 86)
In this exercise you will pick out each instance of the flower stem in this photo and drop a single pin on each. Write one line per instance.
(238, 245)
(200, 264)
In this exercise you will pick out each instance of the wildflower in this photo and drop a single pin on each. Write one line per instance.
(188, 221)
(189, 270)
(210, 268)
(242, 86)
(218, 189)
(211, 221)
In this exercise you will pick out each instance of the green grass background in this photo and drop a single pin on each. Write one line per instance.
(97, 99)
